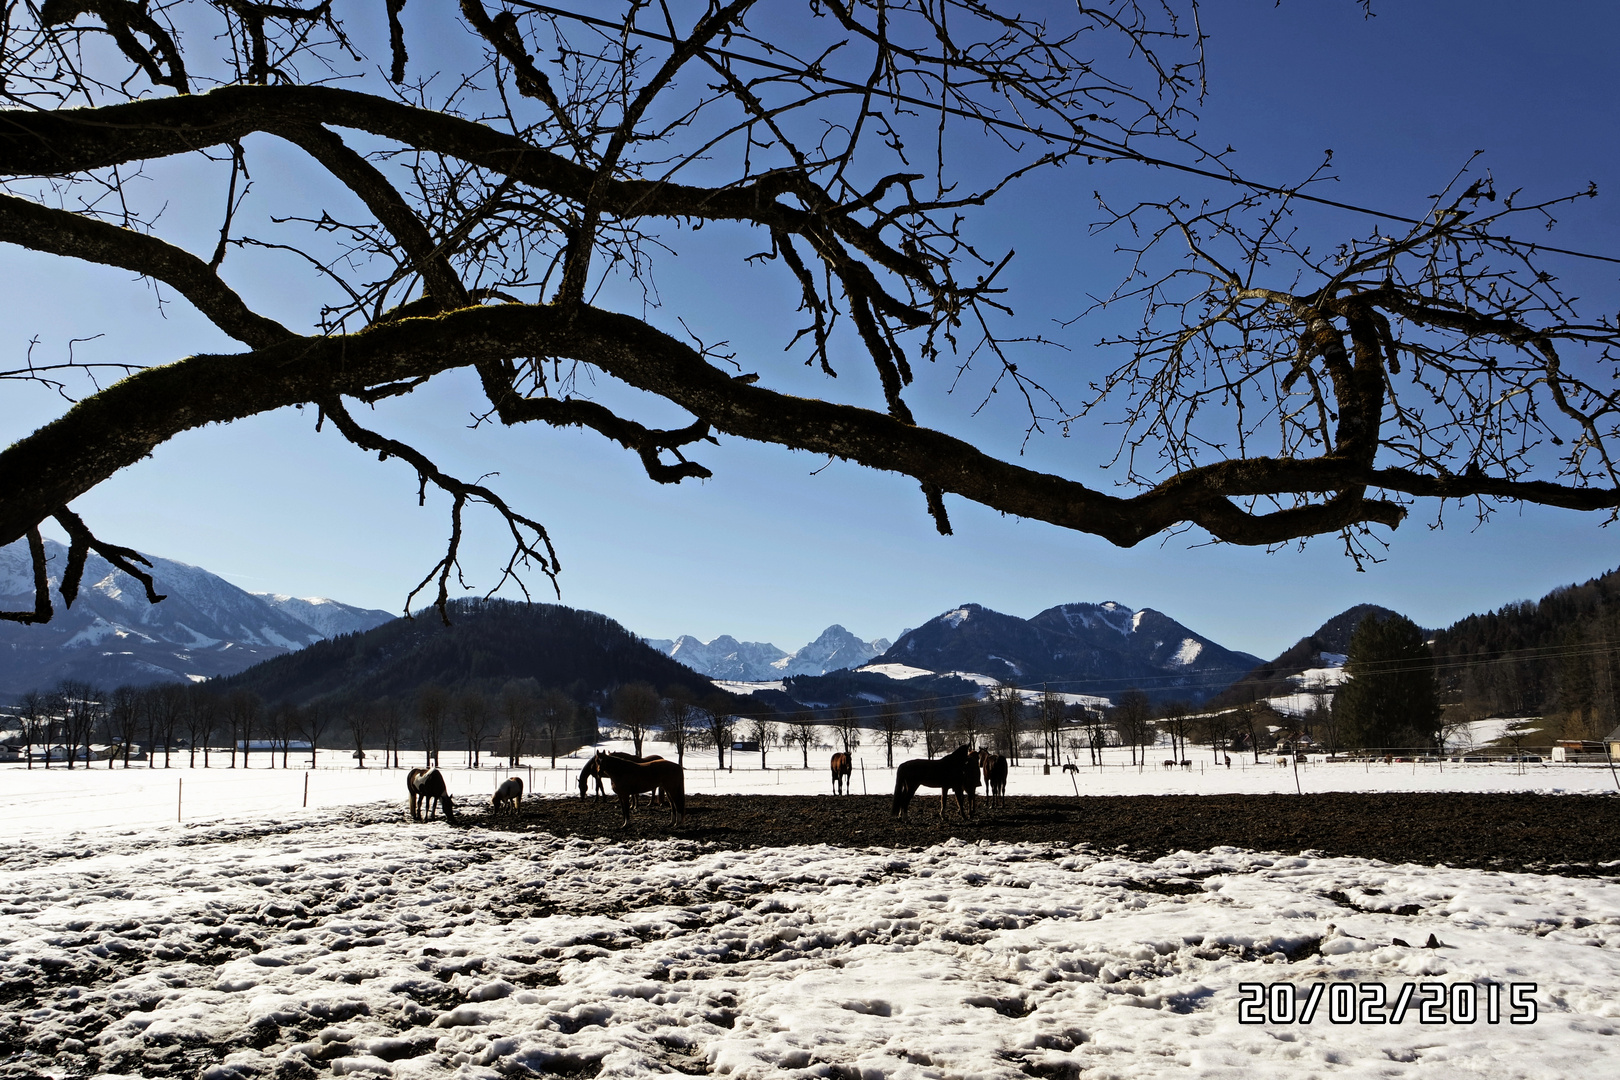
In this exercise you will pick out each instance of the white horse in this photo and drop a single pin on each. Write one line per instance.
(508, 795)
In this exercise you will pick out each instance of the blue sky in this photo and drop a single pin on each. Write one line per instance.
(778, 545)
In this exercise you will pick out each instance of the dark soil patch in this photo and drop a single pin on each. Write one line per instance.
(1568, 834)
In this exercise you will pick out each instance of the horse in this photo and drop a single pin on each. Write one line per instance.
(585, 776)
(842, 769)
(508, 795)
(957, 771)
(1071, 767)
(655, 797)
(1168, 763)
(631, 777)
(427, 787)
(995, 780)
(1186, 764)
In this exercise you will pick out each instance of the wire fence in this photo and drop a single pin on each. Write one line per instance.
(36, 802)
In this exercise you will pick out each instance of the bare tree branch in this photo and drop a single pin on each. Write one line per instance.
(1268, 388)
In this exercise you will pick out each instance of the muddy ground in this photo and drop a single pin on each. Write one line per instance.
(1561, 833)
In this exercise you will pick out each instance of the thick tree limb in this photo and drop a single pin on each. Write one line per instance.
(124, 20)
(81, 542)
(77, 140)
(127, 421)
(59, 232)
(395, 214)
(647, 442)
(42, 585)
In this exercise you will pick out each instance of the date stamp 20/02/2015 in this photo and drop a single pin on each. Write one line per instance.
(1373, 1003)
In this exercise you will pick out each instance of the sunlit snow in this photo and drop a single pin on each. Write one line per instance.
(896, 671)
(259, 938)
(1188, 652)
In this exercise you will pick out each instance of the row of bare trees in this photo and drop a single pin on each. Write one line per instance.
(78, 723)
(1005, 721)
(522, 719)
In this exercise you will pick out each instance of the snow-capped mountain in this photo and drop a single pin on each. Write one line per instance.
(1100, 649)
(723, 658)
(111, 635)
(759, 661)
(328, 618)
(834, 650)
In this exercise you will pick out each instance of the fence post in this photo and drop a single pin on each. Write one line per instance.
(306, 790)
(863, 777)
(179, 791)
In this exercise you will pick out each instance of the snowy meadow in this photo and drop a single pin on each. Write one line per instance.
(257, 937)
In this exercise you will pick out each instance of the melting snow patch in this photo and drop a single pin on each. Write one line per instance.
(1190, 648)
(734, 687)
(198, 640)
(94, 634)
(896, 671)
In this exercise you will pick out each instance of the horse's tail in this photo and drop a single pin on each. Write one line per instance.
(676, 790)
(903, 790)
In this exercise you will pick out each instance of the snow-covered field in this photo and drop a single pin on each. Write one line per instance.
(259, 938)
(37, 801)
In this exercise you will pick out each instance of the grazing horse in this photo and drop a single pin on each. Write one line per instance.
(957, 771)
(1186, 764)
(842, 769)
(427, 789)
(1169, 763)
(995, 780)
(507, 796)
(1069, 766)
(630, 777)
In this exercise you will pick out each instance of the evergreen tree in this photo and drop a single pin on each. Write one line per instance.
(1388, 698)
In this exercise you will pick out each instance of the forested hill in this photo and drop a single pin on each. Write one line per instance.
(1315, 650)
(487, 643)
(1554, 656)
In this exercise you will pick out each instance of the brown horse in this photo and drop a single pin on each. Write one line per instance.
(995, 780)
(630, 777)
(655, 797)
(508, 796)
(957, 771)
(427, 788)
(586, 775)
(842, 769)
